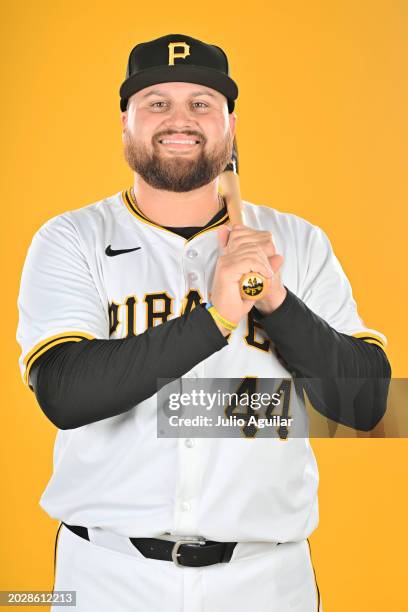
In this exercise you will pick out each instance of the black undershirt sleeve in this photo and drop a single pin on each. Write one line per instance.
(77, 383)
(345, 378)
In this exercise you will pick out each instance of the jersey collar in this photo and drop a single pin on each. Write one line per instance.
(132, 207)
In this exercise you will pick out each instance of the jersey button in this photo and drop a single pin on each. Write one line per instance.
(192, 253)
(189, 443)
(193, 276)
(185, 506)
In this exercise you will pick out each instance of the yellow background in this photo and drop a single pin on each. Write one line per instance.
(322, 133)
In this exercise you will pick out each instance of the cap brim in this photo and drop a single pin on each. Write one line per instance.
(186, 73)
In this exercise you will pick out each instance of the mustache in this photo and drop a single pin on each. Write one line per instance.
(167, 133)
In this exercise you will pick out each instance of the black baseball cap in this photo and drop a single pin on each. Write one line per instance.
(177, 57)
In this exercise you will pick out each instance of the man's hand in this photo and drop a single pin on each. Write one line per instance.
(243, 249)
(241, 236)
(238, 255)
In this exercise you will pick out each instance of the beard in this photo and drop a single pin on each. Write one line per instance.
(177, 173)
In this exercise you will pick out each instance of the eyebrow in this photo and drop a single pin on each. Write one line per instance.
(156, 92)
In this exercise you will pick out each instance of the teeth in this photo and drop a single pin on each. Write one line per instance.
(167, 141)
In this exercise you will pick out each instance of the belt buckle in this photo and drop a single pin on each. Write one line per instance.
(175, 553)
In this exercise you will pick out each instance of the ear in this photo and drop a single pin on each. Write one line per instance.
(123, 118)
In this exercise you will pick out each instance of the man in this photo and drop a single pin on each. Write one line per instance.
(143, 286)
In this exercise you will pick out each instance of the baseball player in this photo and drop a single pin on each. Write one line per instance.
(143, 286)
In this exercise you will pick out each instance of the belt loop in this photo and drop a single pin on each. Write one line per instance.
(114, 541)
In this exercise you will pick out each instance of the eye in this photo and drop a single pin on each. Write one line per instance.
(156, 104)
(203, 104)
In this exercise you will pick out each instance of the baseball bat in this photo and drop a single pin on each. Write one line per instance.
(252, 284)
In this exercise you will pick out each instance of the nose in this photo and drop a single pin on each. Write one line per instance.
(180, 116)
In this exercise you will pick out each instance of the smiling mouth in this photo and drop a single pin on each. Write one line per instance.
(179, 143)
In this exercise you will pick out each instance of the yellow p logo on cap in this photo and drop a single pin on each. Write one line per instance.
(173, 54)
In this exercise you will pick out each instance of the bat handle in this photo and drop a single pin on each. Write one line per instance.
(252, 285)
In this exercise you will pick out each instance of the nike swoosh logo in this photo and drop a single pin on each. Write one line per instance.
(111, 252)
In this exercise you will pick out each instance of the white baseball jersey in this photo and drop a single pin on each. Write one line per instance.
(116, 473)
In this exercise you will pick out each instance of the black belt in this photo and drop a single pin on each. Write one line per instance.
(186, 552)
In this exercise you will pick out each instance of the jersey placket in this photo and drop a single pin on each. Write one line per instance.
(188, 488)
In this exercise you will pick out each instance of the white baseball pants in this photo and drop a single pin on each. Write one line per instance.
(260, 577)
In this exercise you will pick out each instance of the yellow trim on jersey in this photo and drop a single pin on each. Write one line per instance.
(56, 552)
(372, 341)
(315, 579)
(47, 343)
(134, 210)
(370, 338)
(223, 220)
